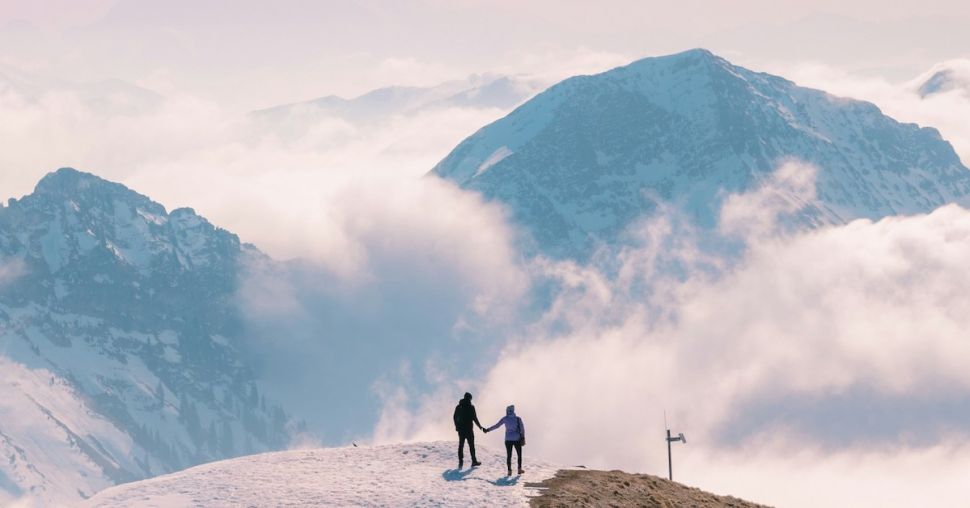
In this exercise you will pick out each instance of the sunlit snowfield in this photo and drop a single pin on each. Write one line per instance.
(420, 474)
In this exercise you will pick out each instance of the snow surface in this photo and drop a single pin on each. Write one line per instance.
(418, 474)
(43, 457)
(496, 157)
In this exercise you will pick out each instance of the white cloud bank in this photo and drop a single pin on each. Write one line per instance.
(877, 307)
(412, 273)
(241, 174)
(395, 264)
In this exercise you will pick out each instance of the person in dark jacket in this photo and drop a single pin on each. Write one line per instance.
(514, 436)
(465, 420)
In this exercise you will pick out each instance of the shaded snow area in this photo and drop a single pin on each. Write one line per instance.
(418, 474)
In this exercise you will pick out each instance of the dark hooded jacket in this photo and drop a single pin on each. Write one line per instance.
(465, 417)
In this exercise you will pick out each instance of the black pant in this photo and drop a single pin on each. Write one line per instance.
(508, 454)
(463, 436)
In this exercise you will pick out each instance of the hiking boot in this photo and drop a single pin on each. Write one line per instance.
(460, 465)
(510, 473)
(521, 471)
(476, 463)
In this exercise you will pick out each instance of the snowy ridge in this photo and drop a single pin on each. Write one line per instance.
(584, 159)
(418, 474)
(119, 343)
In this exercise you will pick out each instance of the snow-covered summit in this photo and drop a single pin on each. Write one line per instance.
(945, 77)
(74, 216)
(581, 161)
(418, 474)
(69, 182)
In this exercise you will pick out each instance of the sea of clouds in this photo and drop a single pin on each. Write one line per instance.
(823, 367)
(833, 357)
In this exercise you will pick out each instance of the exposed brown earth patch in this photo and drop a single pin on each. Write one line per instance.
(572, 487)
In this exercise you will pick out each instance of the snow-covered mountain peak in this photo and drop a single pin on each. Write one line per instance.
(696, 57)
(580, 162)
(74, 185)
(950, 76)
(125, 314)
(74, 216)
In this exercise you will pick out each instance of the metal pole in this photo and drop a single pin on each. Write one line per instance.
(670, 461)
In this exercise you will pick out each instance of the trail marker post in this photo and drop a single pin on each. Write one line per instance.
(670, 461)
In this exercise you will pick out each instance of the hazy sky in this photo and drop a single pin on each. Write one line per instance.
(251, 53)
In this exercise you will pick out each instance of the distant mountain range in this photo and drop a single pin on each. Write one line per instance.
(109, 97)
(583, 160)
(383, 104)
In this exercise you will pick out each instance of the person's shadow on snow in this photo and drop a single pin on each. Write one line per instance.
(506, 481)
(457, 475)
(454, 475)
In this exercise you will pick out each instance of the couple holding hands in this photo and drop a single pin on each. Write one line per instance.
(466, 419)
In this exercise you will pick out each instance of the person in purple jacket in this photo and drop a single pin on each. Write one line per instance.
(514, 436)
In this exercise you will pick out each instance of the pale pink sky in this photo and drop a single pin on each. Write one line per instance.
(248, 54)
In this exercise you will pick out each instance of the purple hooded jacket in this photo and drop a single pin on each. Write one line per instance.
(514, 428)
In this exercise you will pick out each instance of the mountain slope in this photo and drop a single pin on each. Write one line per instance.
(579, 162)
(119, 342)
(419, 474)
